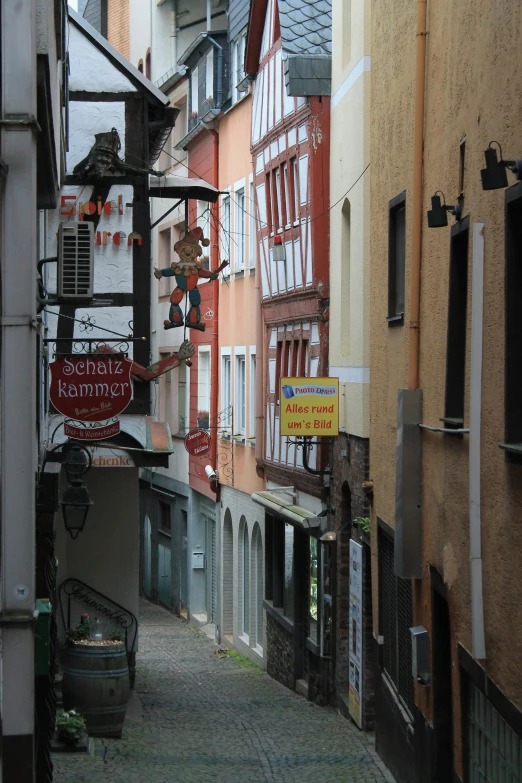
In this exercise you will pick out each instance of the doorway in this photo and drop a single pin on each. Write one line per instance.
(164, 576)
(442, 688)
(147, 557)
(183, 570)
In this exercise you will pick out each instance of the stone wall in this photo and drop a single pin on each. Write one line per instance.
(279, 653)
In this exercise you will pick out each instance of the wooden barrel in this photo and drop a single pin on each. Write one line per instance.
(96, 683)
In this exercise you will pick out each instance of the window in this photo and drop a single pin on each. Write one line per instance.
(289, 588)
(238, 65)
(209, 80)
(140, 66)
(257, 559)
(225, 231)
(239, 229)
(287, 218)
(240, 406)
(276, 191)
(457, 322)
(513, 331)
(164, 283)
(148, 65)
(165, 520)
(178, 132)
(203, 413)
(251, 229)
(245, 581)
(253, 395)
(182, 398)
(395, 620)
(346, 250)
(314, 583)
(226, 392)
(269, 204)
(194, 94)
(295, 190)
(396, 259)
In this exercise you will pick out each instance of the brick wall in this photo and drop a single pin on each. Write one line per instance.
(280, 653)
(351, 469)
(118, 26)
(238, 509)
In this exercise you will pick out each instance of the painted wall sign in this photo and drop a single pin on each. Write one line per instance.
(198, 442)
(107, 458)
(91, 433)
(309, 406)
(355, 632)
(90, 388)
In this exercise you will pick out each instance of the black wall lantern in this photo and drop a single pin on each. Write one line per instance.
(494, 176)
(438, 214)
(75, 502)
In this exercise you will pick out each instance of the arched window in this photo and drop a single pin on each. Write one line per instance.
(244, 580)
(257, 583)
(140, 66)
(147, 64)
(228, 574)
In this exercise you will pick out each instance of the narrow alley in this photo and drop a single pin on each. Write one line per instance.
(200, 716)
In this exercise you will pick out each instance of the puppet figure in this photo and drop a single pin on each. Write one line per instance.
(187, 272)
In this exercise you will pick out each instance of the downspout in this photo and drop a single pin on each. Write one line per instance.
(174, 35)
(214, 374)
(416, 206)
(219, 70)
(209, 15)
(260, 352)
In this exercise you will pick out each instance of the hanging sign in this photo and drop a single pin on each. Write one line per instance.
(355, 632)
(90, 388)
(91, 433)
(309, 406)
(198, 442)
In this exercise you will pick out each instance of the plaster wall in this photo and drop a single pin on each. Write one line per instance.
(106, 553)
(349, 355)
(90, 69)
(472, 101)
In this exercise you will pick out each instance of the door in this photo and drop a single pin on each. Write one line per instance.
(147, 557)
(442, 690)
(183, 581)
(211, 569)
(164, 576)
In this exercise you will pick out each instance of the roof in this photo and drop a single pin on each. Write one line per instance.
(182, 187)
(141, 82)
(306, 26)
(306, 43)
(296, 515)
(203, 41)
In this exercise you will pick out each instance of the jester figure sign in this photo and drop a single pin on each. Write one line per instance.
(187, 272)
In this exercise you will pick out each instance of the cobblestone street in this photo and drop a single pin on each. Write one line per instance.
(197, 716)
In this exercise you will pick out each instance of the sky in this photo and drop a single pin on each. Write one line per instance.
(74, 4)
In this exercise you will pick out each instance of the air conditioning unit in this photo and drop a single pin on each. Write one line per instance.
(75, 260)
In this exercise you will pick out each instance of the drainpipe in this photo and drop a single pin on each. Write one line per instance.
(260, 351)
(18, 439)
(214, 264)
(219, 70)
(209, 15)
(416, 207)
(174, 35)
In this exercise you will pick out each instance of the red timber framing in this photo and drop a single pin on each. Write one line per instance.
(290, 155)
(203, 160)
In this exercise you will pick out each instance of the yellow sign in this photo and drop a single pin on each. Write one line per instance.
(309, 406)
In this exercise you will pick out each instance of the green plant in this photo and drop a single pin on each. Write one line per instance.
(363, 523)
(70, 727)
(81, 632)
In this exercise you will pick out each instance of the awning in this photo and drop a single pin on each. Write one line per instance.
(174, 187)
(297, 515)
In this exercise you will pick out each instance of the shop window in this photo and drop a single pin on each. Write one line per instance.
(457, 322)
(289, 586)
(313, 606)
(396, 259)
(395, 620)
(244, 580)
(513, 322)
(165, 520)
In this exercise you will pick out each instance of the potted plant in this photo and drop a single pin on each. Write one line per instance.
(96, 675)
(70, 727)
(203, 419)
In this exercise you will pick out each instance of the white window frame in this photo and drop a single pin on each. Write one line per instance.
(226, 389)
(209, 77)
(239, 226)
(204, 404)
(252, 387)
(251, 224)
(238, 62)
(225, 225)
(240, 392)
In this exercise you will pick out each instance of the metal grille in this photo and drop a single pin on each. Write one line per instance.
(495, 751)
(396, 620)
(75, 259)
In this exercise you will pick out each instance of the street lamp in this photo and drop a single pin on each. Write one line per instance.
(76, 501)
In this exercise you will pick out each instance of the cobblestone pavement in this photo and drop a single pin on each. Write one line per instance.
(197, 716)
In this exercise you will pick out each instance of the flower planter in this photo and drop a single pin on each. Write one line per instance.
(96, 683)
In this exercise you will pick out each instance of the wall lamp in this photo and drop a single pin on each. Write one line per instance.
(438, 214)
(75, 503)
(494, 176)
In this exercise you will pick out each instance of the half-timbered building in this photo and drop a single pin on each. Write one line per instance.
(288, 54)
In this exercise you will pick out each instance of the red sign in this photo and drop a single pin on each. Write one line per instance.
(197, 443)
(90, 388)
(91, 433)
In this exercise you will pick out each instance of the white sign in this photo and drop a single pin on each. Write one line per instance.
(355, 631)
